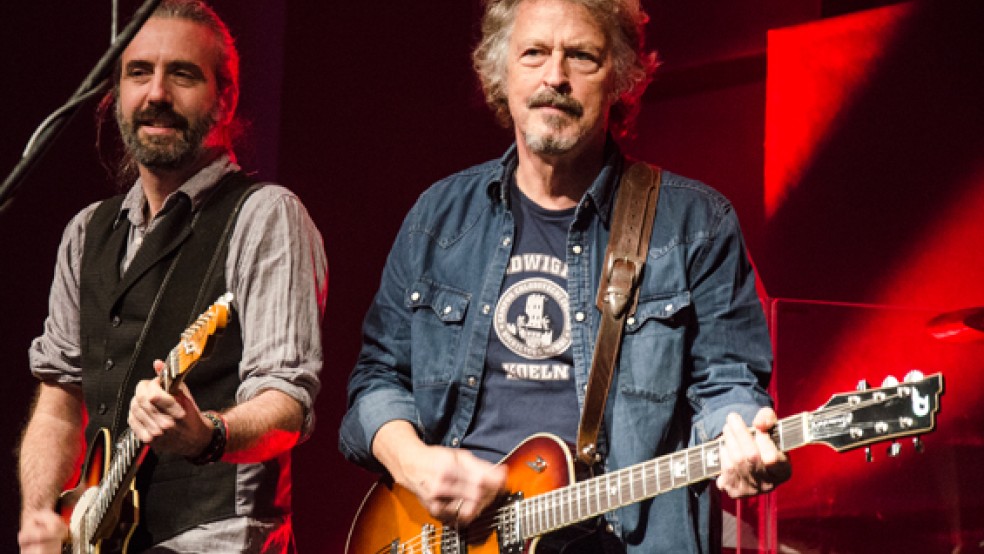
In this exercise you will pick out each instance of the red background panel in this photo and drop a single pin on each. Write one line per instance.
(874, 186)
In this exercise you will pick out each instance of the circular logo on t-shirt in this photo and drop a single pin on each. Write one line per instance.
(531, 319)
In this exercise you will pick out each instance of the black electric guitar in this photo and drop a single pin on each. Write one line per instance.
(103, 510)
(543, 497)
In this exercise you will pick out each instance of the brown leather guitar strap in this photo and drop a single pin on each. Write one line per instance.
(628, 245)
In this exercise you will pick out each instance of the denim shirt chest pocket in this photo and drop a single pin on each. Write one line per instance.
(438, 316)
(653, 346)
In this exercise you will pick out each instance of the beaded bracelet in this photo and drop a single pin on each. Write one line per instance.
(216, 447)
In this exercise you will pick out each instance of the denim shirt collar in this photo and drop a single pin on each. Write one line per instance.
(600, 194)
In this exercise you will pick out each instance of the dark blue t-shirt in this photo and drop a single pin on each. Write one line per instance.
(528, 385)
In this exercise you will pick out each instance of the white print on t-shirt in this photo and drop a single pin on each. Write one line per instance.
(532, 333)
(537, 372)
(541, 263)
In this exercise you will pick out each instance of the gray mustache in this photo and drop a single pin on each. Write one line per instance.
(553, 99)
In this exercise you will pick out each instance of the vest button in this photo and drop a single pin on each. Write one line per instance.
(102, 408)
(109, 364)
(116, 321)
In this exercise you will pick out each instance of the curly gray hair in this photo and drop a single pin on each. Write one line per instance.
(622, 21)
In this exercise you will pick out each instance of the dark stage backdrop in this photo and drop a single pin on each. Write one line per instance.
(358, 106)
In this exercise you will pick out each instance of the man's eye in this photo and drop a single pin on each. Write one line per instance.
(185, 77)
(584, 60)
(533, 56)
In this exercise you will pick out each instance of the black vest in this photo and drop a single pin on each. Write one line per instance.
(128, 322)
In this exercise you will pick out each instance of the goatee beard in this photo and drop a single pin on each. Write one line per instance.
(549, 145)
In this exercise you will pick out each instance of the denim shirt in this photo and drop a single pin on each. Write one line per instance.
(696, 348)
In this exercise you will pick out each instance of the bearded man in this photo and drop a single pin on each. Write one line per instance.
(449, 381)
(134, 271)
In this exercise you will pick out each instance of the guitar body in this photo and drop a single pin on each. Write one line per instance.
(113, 535)
(391, 518)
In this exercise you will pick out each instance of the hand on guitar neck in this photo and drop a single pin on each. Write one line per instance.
(750, 462)
(169, 422)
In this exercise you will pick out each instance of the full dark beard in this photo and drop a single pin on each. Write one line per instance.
(164, 152)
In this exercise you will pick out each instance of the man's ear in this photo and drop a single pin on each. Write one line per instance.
(228, 100)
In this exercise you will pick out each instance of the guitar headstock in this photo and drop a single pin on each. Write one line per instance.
(854, 419)
(195, 341)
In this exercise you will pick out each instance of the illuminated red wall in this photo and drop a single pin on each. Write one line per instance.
(874, 190)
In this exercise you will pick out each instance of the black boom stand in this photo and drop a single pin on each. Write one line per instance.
(94, 84)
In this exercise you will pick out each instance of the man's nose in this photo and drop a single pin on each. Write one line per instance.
(556, 72)
(158, 91)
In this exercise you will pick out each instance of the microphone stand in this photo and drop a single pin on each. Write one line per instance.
(94, 84)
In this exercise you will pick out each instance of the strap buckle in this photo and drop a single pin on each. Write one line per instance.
(622, 276)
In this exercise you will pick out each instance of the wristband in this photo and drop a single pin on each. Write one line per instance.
(216, 447)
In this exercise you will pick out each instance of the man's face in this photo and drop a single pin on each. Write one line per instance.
(168, 98)
(559, 77)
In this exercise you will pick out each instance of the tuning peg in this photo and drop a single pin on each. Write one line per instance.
(890, 381)
(863, 385)
(914, 376)
(917, 443)
(894, 449)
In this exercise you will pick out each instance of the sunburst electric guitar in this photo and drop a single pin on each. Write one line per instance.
(103, 510)
(543, 496)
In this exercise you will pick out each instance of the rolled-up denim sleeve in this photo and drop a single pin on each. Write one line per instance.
(278, 273)
(379, 388)
(731, 351)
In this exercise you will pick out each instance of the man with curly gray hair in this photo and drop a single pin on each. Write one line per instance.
(484, 327)
(632, 65)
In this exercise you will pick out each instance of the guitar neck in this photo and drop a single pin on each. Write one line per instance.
(590, 498)
(128, 453)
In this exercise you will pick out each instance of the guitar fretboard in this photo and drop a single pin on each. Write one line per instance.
(127, 454)
(590, 498)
